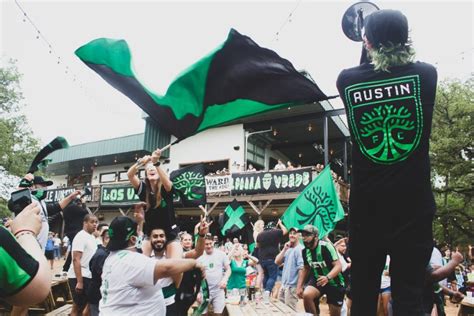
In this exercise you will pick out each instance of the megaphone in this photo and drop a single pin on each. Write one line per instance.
(353, 22)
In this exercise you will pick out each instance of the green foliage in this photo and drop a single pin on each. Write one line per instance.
(452, 161)
(4, 211)
(18, 143)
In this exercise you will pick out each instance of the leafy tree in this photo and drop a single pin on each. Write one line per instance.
(18, 145)
(452, 161)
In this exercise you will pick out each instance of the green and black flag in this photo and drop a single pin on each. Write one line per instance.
(238, 79)
(190, 185)
(39, 161)
(233, 219)
(317, 205)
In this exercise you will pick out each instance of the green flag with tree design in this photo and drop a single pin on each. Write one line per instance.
(317, 205)
(190, 185)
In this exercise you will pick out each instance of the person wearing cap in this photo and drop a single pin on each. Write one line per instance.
(79, 275)
(129, 279)
(322, 265)
(389, 103)
(292, 260)
(37, 186)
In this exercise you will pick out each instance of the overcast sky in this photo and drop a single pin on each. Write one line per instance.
(167, 37)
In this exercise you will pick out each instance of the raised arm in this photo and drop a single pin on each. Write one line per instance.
(203, 229)
(280, 258)
(133, 170)
(165, 179)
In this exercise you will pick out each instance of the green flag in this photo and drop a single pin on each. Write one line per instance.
(233, 219)
(317, 205)
(237, 79)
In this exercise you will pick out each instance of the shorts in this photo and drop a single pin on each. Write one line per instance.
(49, 254)
(334, 294)
(385, 290)
(288, 296)
(217, 299)
(80, 299)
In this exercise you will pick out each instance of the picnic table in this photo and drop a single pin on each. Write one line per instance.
(271, 308)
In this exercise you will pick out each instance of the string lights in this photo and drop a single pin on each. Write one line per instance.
(287, 20)
(59, 61)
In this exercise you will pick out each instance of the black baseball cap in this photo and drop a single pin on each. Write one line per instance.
(120, 231)
(36, 180)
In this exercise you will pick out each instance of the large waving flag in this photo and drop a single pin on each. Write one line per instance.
(317, 205)
(237, 80)
(233, 219)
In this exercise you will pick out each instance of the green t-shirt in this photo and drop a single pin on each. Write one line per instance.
(237, 277)
(17, 267)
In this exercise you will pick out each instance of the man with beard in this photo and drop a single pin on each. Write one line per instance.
(322, 264)
(158, 245)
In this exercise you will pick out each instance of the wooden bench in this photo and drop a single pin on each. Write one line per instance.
(62, 311)
(273, 308)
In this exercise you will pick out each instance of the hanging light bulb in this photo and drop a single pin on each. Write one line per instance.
(300, 155)
(275, 132)
(310, 127)
(82, 168)
(115, 159)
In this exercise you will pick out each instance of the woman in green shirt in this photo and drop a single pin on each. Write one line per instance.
(238, 267)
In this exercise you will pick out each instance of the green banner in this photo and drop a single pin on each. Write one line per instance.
(118, 195)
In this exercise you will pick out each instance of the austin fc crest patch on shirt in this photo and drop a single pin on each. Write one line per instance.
(386, 117)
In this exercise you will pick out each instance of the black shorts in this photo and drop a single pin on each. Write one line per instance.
(80, 299)
(49, 254)
(172, 235)
(334, 294)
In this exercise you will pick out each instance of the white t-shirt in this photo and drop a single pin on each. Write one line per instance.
(128, 286)
(85, 243)
(385, 282)
(215, 265)
(66, 241)
(165, 282)
(436, 260)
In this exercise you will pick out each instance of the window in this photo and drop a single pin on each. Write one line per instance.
(122, 176)
(107, 177)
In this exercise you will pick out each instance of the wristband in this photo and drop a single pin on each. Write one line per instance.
(22, 232)
(329, 279)
(202, 236)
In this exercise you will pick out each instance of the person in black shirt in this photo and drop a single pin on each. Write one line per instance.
(95, 265)
(389, 104)
(268, 243)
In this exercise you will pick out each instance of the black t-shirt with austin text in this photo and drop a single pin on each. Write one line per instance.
(389, 116)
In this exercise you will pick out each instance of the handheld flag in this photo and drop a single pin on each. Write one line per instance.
(40, 161)
(233, 219)
(236, 80)
(190, 185)
(317, 205)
